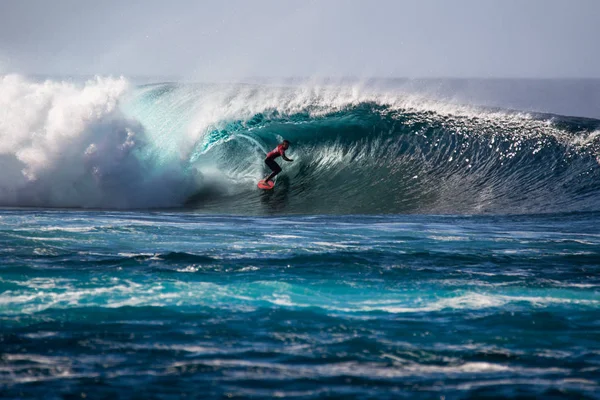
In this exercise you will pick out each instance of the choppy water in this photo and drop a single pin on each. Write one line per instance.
(166, 304)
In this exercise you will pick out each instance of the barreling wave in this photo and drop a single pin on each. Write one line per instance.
(106, 144)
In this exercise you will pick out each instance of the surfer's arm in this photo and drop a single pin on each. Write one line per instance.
(285, 158)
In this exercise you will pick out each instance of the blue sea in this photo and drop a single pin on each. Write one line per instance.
(426, 242)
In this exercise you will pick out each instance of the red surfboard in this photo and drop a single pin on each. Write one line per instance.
(266, 185)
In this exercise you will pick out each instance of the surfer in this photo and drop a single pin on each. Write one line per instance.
(270, 159)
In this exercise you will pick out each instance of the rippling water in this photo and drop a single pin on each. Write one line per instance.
(161, 305)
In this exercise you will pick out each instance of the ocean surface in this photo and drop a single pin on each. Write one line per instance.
(425, 243)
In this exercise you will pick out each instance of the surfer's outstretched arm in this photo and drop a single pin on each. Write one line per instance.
(285, 158)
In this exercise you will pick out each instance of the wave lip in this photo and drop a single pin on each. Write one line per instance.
(372, 157)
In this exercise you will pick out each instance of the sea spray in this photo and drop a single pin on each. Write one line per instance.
(69, 145)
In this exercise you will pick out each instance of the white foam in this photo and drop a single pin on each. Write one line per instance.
(284, 236)
(40, 294)
(189, 268)
(375, 370)
(331, 244)
(68, 145)
(249, 268)
(467, 301)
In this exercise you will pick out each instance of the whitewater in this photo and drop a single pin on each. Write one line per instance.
(419, 246)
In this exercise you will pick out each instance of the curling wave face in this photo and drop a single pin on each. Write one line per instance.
(106, 144)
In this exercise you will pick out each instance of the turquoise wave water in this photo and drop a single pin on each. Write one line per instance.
(356, 151)
(374, 155)
(161, 305)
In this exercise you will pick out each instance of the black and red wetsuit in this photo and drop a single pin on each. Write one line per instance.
(270, 159)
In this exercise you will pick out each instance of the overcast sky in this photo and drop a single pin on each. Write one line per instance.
(229, 39)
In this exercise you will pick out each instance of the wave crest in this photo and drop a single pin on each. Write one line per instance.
(105, 144)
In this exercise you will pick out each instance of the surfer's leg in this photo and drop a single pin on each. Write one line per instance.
(274, 167)
(272, 175)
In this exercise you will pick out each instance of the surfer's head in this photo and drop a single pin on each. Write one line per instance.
(285, 144)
